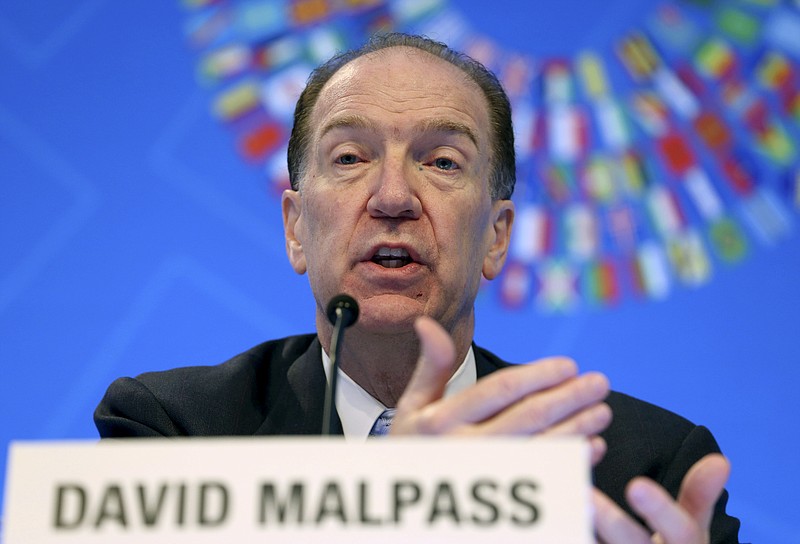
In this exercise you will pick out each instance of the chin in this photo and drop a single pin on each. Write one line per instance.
(389, 314)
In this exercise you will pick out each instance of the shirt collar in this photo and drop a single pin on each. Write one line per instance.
(358, 410)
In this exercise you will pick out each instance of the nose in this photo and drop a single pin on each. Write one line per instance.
(393, 193)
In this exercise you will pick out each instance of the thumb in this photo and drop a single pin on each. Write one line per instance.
(434, 367)
(702, 487)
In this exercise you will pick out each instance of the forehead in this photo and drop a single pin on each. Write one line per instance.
(403, 86)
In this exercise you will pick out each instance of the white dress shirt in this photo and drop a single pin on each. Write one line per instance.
(358, 410)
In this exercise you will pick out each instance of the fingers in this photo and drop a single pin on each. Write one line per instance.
(702, 487)
(502, 389)
(597, 448)
(613, 525)
(589, 422)
(434, 368)
(662, 514)
(538, 405)
(687, 520)
(546, 396)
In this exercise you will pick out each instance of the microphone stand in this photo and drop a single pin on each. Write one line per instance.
(342, 311)
(329, 412)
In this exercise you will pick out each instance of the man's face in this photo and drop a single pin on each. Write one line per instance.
(394, 208)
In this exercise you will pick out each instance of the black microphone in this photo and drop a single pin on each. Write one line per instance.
(342, 311)
(343, 305)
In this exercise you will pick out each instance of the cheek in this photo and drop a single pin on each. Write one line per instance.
(327, 221)
(461, 228)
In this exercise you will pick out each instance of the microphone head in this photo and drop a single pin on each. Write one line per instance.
(348, 306)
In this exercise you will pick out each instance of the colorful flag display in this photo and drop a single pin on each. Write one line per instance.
(642, 164)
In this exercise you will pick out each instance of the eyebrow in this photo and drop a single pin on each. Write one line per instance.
(349, 122)
(430, 125)
(448, 126)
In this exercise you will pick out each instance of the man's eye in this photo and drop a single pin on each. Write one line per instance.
(347, 158)
(444, 164)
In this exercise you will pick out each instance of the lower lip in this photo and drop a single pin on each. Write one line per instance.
(409, 271)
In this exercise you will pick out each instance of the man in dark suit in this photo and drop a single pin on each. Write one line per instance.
(402, 167)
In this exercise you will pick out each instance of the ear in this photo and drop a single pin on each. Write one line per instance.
(291, 208)
(500, 238)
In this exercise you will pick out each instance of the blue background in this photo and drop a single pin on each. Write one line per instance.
(134, 238)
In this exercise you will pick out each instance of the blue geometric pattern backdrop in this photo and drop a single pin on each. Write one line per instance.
(142, 151)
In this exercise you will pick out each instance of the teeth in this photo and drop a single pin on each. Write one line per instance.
(396, 252)
(395, 257)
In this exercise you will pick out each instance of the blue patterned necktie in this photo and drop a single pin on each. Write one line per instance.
(383, 423)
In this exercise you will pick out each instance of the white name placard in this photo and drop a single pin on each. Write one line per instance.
(290, 490)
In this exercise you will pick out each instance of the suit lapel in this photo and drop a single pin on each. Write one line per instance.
(299, 400)
(486, 362)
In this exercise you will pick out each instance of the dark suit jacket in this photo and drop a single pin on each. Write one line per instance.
(277, 388)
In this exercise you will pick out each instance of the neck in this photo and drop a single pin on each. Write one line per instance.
(382, 364)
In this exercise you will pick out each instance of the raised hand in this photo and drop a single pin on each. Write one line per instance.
(544, 397)
(683, 521)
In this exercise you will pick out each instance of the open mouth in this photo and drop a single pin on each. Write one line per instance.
(395, 257)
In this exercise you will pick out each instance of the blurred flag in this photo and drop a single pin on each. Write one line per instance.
(258, 20)
(600, 283)
(524, 121)
(715, 59)
(592, 72)
(771, 138)
(278, 171)
(517, 75)
(738, 25)
(515, 285)
(638, 56)
(774, 71)
(568, 133)
(675, 93)
(307, 12)
(533, 234)
(740, 177)
(581, 232)
(688, 257)
(257, 143)
(635, 173)
(651, 271)
(610, 118)
(278, 53)
(665, 212)
(237, 101)
(598, 179)
(323, 43)
(558, 288)
(704, 196)
(280, 91)
(558, 181)
(566, 125)
(676, 153)
(766, 216)
(672, 30)
(728, 240)
(622, 226)
(650, 112)
(210, 26)
(612, 124)
(225, 63)
(712, 130)
(412, 11)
